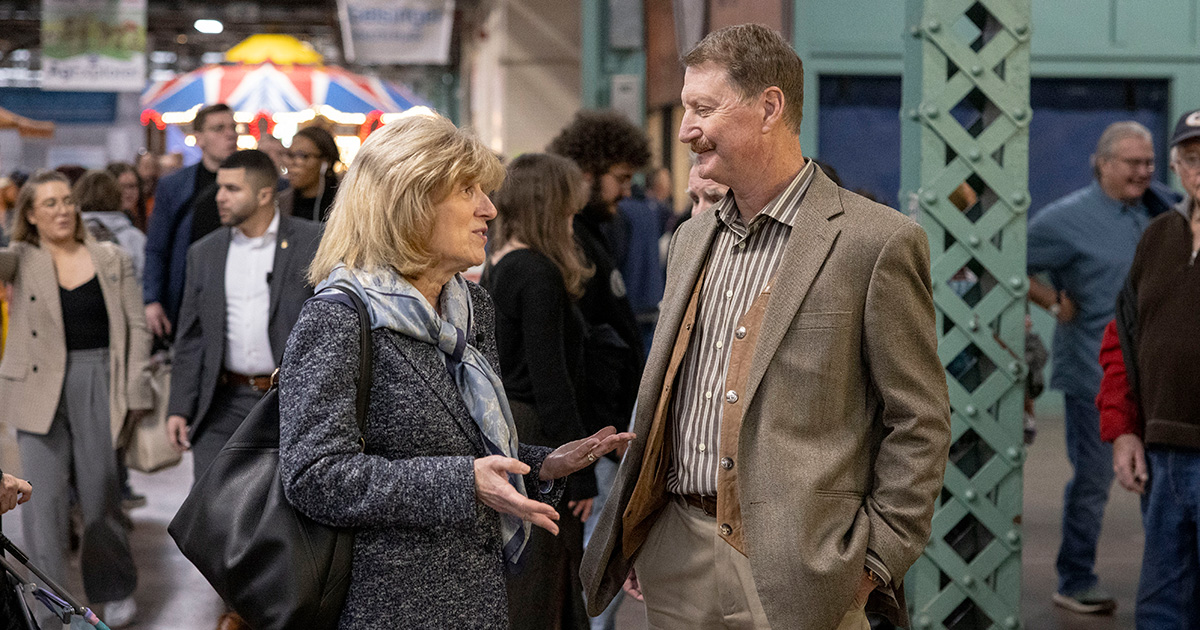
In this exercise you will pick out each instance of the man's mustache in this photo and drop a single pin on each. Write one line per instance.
(701, 145)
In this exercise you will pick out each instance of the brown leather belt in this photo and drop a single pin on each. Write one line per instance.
(706, 503)
(259, 383)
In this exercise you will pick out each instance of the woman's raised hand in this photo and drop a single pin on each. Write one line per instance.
(580, 454)
(493, 490)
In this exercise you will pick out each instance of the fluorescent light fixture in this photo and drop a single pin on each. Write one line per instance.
(209, 27)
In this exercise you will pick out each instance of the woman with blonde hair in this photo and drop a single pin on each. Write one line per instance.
(438, 488)
(536, 276)
(76, 366)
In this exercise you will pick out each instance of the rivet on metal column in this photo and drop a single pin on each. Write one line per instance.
(965, 137)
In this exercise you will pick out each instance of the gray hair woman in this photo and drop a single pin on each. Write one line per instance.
(442, 495)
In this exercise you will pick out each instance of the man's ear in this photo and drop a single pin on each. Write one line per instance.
(264, 196)
(773, 101)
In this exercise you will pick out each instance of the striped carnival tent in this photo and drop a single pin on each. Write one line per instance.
(275, 74)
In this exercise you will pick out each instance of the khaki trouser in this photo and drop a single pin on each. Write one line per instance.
(692, 579)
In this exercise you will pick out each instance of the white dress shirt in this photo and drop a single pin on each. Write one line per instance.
(248, 301)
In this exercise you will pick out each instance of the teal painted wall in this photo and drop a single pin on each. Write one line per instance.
(1071, 38)
(1157, 39)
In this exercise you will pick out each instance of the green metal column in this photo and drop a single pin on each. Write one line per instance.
(966, 121)
(601, 60)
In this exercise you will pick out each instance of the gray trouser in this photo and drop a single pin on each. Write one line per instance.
(230, 405)
(79, 444)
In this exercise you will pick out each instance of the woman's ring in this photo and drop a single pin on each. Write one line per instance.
(591, 458)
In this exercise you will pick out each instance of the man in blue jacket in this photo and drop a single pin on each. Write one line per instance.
(185, 209)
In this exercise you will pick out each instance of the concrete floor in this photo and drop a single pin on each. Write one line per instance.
(173, 596)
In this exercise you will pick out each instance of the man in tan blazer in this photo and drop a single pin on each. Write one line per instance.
(793, 420)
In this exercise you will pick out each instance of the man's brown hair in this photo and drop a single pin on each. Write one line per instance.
(205, 112)
(755, 58)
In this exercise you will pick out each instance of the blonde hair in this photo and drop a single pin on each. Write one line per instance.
(383, 213)
(541, 194)
(22, 229)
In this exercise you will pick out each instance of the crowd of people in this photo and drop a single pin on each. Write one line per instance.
(735, 414)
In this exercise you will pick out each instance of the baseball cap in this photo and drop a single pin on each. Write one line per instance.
(1187, 128)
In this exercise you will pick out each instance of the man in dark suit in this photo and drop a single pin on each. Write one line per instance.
(245, 286)
(184, 212)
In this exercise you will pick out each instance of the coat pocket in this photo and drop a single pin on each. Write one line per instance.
(841, 494)
(14, 370)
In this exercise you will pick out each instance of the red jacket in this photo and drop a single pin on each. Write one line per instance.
(1118, 408)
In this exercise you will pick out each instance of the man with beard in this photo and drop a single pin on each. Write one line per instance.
(246, 283)
(608, 148)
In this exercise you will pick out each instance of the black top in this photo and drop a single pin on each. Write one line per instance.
(305, 207)
(203, 204)
(539, 336)
(604, 299)
(85, 319)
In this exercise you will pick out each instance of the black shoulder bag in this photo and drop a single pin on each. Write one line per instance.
(273, 565)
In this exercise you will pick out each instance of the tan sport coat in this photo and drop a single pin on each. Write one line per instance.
(35, 359)
(846, 424)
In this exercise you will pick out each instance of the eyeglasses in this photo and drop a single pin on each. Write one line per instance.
(1189, 160)
(1135, 164)
(300, 156)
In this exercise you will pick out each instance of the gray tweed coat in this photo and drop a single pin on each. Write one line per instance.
(426, 553)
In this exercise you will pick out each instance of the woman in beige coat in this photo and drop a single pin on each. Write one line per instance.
(75, 369)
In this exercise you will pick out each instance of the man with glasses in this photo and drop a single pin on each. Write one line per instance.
(1084, 244)
(1153, 414)
(185, 210)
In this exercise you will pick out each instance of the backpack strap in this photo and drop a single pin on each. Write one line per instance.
(366, 359)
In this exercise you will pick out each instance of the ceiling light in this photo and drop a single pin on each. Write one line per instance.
(209, 27)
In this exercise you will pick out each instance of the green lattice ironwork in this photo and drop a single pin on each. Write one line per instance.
(965, 171)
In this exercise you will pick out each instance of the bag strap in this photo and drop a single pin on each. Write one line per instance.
(366, 359)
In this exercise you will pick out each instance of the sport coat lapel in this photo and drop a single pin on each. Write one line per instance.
(46, 285)
(279, 268)
(108, 273)
(692, 254)
(214, 298)
(812, 238)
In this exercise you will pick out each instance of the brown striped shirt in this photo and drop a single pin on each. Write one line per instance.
(741, 261)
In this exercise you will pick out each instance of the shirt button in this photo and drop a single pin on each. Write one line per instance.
(701, 448)
(35, 333)
(727, 463)
(729, 293)
(742, 245)
(720, 344)
(731, 396)
(740, 333)
(33, 298)
(726, 529)
(35, 368)
(707, 395)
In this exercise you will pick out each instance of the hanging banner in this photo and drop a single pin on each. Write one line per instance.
(94, 45)
(410, 32)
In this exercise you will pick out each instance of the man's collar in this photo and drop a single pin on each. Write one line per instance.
(783, 208)
(271, 233)
(1118, 204)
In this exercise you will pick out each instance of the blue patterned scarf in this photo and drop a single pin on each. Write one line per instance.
(395, 304)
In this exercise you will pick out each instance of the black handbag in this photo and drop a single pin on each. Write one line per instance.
(273, 565)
